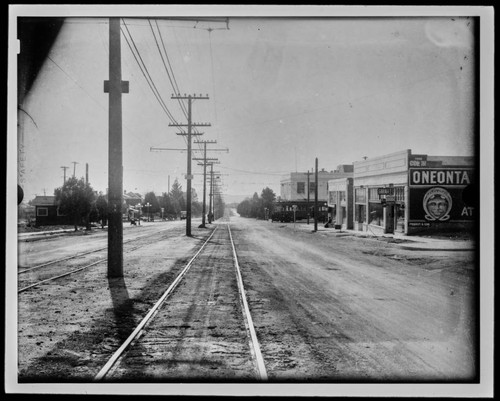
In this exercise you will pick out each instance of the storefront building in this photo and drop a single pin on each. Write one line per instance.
(410, 193)
(340, 202)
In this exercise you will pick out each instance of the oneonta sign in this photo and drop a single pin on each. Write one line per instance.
(442, 177)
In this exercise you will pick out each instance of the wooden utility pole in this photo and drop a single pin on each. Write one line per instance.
(115, 87)
(189, 176)
(74, 167)
(204, 164)
(210, 213)
(64, 168)
(316, 198)
(86, 173)
(308, 184)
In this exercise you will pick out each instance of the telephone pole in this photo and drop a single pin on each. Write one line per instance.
(204, 164)
(64, 168)
(316, 198)
(115, 87)
(189, 125)
(308, 184)
(210, 213)
(74, 167)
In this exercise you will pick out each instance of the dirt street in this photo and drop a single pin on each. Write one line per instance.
(326, 308)
(346, 308)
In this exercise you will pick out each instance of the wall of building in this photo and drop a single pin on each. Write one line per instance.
(340, 200)
(372, 174)
(290, 183)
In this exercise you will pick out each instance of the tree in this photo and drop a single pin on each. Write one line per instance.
(268, 197)
(150, 198)
(177, 197)
(166, 203)
(101, 205)
(75, 198)
(244, 208)
(256, 206)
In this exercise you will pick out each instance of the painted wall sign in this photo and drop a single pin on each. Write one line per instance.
(418, 160)
(440, 176)
(439, 204)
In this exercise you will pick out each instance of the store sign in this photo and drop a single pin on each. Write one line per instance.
(437, 195)
(418, 160)
(385, 191)
(442, 177)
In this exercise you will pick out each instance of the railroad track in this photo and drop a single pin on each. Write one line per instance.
(33, 276)
(199, 329)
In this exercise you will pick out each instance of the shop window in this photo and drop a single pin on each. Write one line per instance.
(312, 186)
(332, 197)
(376, 214)
(342, 196)
(399, 193)
(360, 195)
(42, 211)
(373, 194)
(301, 187)
(361, 213)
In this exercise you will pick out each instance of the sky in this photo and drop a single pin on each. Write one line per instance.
(282, 92)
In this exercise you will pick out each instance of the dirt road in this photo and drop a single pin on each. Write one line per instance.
(325, 308)
(347, 308)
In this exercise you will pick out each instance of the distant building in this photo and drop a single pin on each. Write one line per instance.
(340, 201)
(47, 212)
(131, 198)
(294, 186)
(410, 193)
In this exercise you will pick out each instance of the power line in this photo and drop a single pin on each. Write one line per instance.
(146, 73)
(171, 76)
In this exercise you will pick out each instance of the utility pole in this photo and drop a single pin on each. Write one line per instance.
(316, 198)
(64, 168)
(189, 177)
(210, 214)
(115, 87)
(308, 184)
(86, 173)
(74, 167)
(204, 164)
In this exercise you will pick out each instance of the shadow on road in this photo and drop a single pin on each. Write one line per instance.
(122, 306)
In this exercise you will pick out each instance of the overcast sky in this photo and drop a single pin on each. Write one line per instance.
(283, 91)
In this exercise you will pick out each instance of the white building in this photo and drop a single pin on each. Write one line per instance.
(296, 186)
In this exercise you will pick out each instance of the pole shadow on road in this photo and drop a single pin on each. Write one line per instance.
(122, 306)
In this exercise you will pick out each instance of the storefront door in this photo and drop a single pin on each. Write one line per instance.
(389, 218)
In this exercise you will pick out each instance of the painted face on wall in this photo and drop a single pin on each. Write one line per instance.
(437, 204)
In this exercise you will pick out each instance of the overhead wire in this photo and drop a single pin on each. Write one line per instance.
(145, 72)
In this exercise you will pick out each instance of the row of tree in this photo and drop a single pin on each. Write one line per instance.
(78, 200)
(259, 207)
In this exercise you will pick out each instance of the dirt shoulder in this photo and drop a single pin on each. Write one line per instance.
(67, 329)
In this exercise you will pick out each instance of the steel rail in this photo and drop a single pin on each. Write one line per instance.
(261, 368)
(68, 273)
(135, 334)
(28, 269)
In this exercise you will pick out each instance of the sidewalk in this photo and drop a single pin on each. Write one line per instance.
(408, 242)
